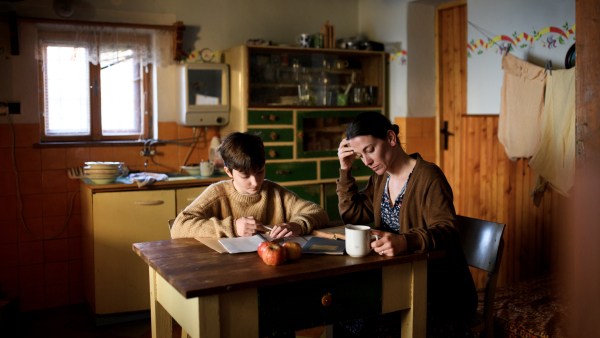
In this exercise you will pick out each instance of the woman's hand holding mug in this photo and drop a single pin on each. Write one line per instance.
(388, 244)
(346, 155)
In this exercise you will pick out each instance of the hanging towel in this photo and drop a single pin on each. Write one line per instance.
(521, 107)
(144, 179)
(554, 162)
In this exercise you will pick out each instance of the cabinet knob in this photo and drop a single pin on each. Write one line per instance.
(326, 300)
(269, 117)
(272, 153)
(274, 136)
(283, 172)
(301, 135)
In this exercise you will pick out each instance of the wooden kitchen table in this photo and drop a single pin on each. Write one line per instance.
(237, 295)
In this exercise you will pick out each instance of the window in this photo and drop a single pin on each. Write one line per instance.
(95, 82)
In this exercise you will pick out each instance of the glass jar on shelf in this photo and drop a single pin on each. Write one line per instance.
(304, 77)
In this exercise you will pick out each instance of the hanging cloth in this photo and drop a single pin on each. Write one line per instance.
(521, 107)
(554, 162)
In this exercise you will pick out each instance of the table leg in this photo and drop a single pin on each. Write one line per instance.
(160, 319)
(414, 320)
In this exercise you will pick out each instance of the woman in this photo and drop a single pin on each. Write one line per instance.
(411, 203)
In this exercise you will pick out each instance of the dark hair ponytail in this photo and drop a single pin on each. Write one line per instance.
(371, 123)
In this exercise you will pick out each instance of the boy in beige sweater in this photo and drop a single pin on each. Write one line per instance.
(240, 207)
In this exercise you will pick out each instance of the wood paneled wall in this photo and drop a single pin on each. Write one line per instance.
(494, 188)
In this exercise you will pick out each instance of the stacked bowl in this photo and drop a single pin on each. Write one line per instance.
(104, 172)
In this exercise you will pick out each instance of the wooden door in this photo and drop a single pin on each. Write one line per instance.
(451, 69)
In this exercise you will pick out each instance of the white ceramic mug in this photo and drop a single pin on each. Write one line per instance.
(358, 240)
(206, 168)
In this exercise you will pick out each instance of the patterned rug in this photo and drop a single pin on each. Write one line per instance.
(528, 309)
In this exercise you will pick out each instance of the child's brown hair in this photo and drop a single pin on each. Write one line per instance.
(243, 152)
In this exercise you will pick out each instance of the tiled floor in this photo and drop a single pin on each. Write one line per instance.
(74, 321)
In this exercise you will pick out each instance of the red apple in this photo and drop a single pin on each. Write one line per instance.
(293, 249)
(274, 254)
(261, 248)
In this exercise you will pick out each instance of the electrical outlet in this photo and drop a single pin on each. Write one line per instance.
(10, 108)
(147, 152)
(14, 108)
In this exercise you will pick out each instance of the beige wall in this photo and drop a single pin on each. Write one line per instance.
(385, 21)
(421, 69)
(209, 24)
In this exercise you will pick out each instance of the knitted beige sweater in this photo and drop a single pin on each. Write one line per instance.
(214, 212)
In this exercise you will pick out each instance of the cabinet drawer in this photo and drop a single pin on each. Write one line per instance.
(279, 152)
(268, 117)
(331, 169)
(291, 171)
(185, 197)
(274, 135)
(311, 192)
(353, 296)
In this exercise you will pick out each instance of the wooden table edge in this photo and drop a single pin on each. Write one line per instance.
(384, 262)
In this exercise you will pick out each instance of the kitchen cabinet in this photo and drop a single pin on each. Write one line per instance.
(115, 279)
(330, 202)
(311, 192)
(186, 196)
(300, 101)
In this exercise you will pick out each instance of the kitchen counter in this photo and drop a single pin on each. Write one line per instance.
(123, 184)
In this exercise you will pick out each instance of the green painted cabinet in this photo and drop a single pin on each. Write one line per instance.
(274, 135)
(321, 131)
(291, 171)
(311, 192)
(279, 152)
(294, 98)
(331, 169)
(270, 117)
(331, 200)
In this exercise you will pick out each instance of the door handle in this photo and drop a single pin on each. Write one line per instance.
(269, 117)
(446, 134)
(149, 202)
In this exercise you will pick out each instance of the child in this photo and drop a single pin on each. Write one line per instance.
(241, 206)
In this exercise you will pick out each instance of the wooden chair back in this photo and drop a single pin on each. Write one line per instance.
(483, 245)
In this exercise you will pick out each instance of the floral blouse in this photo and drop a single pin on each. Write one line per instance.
(389, 215)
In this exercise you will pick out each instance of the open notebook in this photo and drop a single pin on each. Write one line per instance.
(250, 244)
(245, 244)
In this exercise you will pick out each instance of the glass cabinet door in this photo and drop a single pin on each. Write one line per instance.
(297, 77)
(320, 132)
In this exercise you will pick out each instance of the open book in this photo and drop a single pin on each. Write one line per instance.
(245, 244)
(250, 244)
